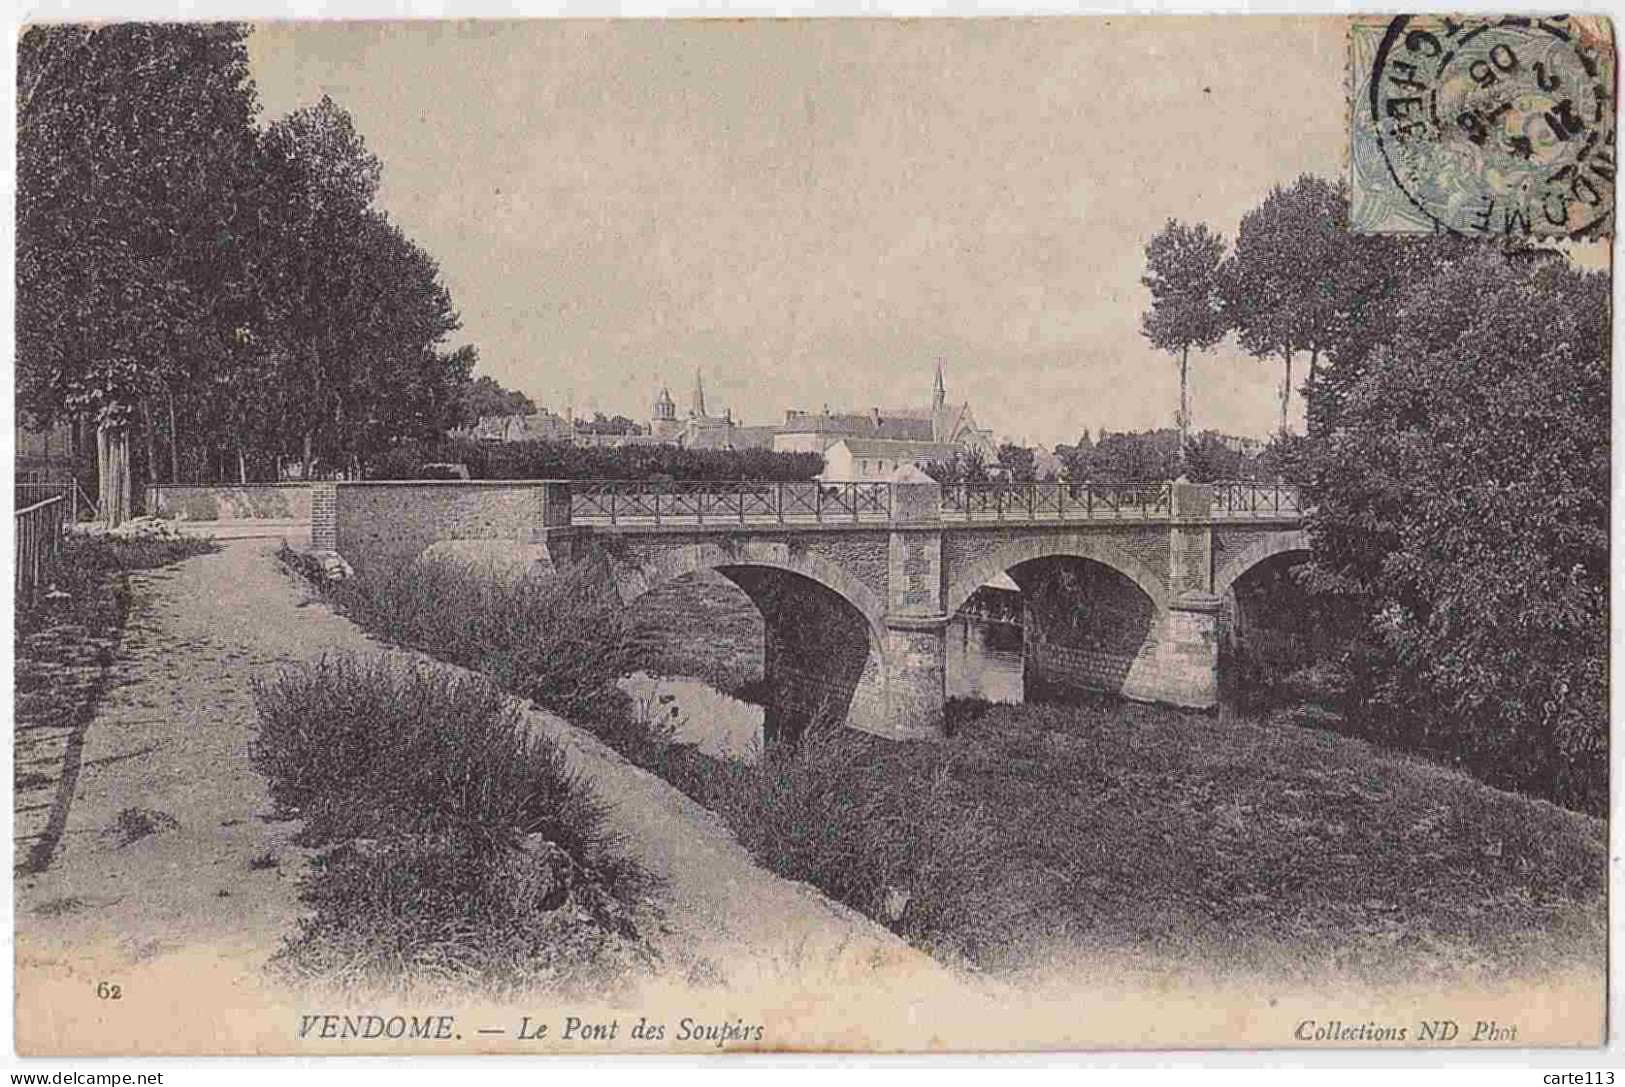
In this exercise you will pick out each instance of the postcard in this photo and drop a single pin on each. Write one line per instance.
(714, 536)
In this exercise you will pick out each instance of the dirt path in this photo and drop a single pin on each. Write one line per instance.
(171, 882)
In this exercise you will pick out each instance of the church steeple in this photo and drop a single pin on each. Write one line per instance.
(699, 395)
(939, 391)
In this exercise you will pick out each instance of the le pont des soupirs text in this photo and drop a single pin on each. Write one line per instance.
(571, 1028)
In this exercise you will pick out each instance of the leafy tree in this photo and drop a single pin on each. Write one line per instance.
(485, 398)
(1153, 455)
(1209, 457)
(1298, 279)
(357, 306)
(401, 385)
(603, 424)
(965, 467)
(1125, 457)
(1182, 273)
(325, 180)
(1461, 488)
(1018, 462)
(133, 190)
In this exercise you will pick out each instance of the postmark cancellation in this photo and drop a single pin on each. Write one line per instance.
(1482, 125)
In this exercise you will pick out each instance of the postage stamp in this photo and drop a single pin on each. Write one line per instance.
(1482, 125)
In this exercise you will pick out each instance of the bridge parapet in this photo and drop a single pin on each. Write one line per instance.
(746, 502)
(1248, 499)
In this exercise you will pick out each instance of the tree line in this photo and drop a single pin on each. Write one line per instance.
(1297, 282)
(540, 459)
(1456, 466)
(226, 294)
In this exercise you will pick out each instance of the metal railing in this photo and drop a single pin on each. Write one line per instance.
(1142, 501)
(39, 546)
(1245, 498)
(619, 502)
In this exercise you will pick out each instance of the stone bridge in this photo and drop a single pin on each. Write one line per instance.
(1126, 587)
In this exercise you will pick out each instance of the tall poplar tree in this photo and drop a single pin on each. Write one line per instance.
(1182, 273)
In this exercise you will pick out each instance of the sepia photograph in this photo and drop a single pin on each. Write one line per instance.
(698, 536)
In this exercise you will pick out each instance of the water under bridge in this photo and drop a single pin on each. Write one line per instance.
(1127, 587)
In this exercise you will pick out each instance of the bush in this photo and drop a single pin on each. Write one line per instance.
(875, 825)
(456, 830)
(358, 747)
(871, 824)
(562, 642)
(89, 561)
(436, 908)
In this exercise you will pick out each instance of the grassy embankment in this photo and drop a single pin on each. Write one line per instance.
(1119, 831)
(65, 642)
(456, 850)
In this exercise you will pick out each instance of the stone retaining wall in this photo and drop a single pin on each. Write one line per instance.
(389, 522)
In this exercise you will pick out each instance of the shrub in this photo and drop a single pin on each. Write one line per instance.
(437, 908)
(562, 460)
(88, 561)
(561, 641)
(444, 810)
(359, 747)
(875, 825)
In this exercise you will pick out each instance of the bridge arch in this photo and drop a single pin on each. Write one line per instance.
(1049, 545)
(634, 581)
(1260, 550)
(824, 647)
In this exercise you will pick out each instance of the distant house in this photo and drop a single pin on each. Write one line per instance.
(543, 426)
(871, 460)
(1046, 465)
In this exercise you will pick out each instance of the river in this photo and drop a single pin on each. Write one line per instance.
(984, 661)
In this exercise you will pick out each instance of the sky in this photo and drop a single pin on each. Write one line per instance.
(816, 212)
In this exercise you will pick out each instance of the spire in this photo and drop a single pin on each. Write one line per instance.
(699, 395)
(939, 392)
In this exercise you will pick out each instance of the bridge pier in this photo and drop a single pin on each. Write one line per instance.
(916, 678)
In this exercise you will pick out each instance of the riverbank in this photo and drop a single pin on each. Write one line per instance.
(181, 903)
(1189, 844)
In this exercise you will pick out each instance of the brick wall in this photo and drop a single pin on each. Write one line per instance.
(324, 517)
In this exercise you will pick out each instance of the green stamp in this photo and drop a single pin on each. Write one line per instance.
(1482, 125)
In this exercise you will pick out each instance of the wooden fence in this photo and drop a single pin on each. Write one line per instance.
(39, 546)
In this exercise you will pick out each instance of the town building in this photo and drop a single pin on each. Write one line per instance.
(945, 428)
(663, 416)
(939, 423)
(542, 426)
